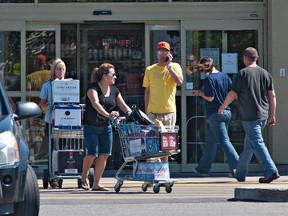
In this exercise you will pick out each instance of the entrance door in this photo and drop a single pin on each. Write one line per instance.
(224, 41)
(42, 46)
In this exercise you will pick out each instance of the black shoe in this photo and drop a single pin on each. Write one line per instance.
(233, 174)
(270, 178)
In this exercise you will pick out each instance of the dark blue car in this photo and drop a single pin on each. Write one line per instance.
(19, 193)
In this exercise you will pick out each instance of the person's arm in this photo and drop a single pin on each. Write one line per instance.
(229, 99)
(272, 108)
(122, 105)
(93, 96)
(44, 104)
(177, 77)
(146, 99)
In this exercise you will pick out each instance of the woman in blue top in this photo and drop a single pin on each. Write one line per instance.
(216, 87)
(101, 101)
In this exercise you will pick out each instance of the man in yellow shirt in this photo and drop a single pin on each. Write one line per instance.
(160, 82)
(41, 75)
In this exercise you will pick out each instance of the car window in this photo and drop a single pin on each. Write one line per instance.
(3, 108)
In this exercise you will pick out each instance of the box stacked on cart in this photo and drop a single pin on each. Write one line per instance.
(67, 117)
(66, 112)
(65, 91)
(150, 171)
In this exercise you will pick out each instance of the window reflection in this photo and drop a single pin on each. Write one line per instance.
(83, 1)
(10, 67)
(40, 51)
(213, 44)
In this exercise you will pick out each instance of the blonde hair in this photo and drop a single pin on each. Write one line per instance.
(56, 63)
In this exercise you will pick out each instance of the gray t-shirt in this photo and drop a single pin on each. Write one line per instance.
(252, 85)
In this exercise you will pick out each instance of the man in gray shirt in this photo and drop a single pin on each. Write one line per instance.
(256, 106)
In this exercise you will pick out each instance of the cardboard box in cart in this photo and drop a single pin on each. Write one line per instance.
(67, 117)
(65, 91)
(149, 171)
(67, 162)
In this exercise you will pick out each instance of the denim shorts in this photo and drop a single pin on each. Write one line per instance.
(98, 140)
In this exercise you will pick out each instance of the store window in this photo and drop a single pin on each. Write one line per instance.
(17, 1)
(218, 0)
(71, 1)
(218, 45)
(10, 66)
(40, 52)
(120, 45)
(69, 49)
(82, 1)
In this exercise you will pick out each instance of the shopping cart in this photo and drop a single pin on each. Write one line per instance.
(66, 148)
(143, 146)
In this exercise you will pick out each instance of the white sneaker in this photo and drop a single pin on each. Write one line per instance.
(200, 174)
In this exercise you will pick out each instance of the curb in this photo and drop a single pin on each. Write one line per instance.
(261, 194)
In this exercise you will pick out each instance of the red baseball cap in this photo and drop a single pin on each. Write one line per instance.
(163, 45)
(41, 58)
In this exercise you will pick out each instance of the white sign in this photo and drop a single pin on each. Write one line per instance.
(229, 63)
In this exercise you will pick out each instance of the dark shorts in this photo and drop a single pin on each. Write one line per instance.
(98, 140)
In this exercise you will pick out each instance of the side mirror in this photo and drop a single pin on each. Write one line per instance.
(26, 110)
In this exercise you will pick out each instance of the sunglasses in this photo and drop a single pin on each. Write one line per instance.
(112, 75)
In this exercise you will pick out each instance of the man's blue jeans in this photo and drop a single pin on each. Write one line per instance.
(254, 143)
(217, 133)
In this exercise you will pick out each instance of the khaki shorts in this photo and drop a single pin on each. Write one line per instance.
(168, 119)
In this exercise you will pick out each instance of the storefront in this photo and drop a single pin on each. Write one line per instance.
(85, 35)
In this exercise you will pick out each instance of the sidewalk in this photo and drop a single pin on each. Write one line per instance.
(250, 190)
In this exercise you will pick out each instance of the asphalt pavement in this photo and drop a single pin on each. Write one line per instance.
(250, 190)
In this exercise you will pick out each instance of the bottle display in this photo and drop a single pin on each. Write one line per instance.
(120, 45)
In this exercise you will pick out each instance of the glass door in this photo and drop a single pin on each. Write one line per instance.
(40, 51)
(225, 42)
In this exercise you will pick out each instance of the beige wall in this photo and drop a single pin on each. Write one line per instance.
(278, 58)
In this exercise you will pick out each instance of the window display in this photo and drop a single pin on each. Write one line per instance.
(121, 45)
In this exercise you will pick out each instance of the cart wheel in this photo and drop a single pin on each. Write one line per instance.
(144, 187)
(54, 182)
(90, 177)
(156, 188)
(45, 178)
(60, 182)
(118, 185)
(168, 188)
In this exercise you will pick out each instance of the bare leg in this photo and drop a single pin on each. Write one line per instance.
(99, 169)
(87, 163)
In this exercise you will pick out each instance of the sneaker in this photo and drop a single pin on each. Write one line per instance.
(200, 174)
(232, 174)
(270, 178)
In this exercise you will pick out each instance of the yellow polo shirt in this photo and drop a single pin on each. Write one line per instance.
(162, 88)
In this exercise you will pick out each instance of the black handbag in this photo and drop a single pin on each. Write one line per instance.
(138, 117)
